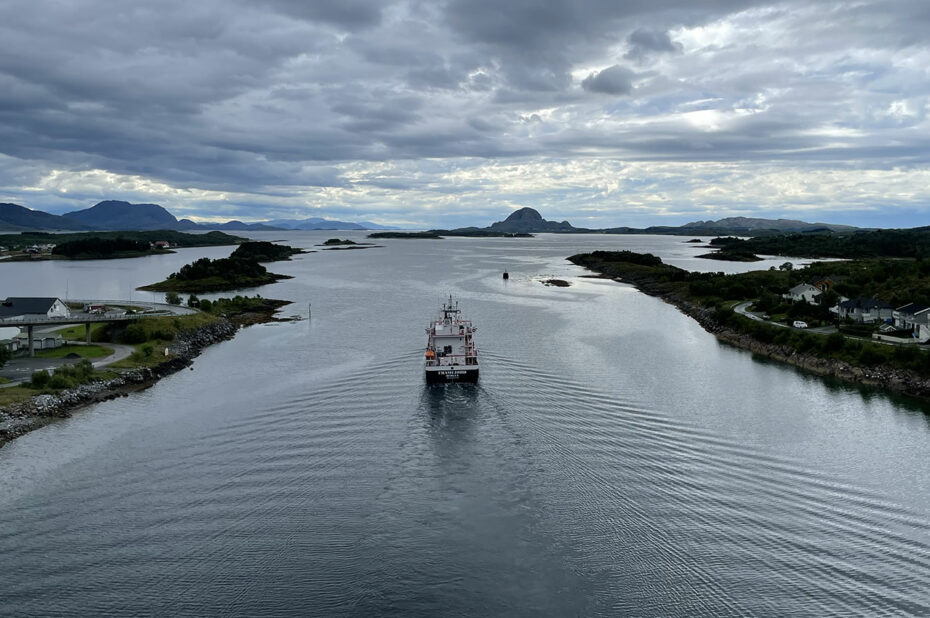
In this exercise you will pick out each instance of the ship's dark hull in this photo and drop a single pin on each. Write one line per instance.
(447, 375)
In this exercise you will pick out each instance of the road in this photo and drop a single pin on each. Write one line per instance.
(743, 309)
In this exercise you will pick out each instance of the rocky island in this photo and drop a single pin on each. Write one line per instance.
(240, 270)
(521, 223)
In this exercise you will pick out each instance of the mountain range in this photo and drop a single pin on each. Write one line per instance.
(526, 221)
(118, 215)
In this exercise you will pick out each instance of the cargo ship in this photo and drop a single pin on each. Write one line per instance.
(451, 355)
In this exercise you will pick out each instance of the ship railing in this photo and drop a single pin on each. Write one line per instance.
(453, 359)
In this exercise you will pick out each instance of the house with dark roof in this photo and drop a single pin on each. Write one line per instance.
(25, 307)
(913, 317)
(865, 310)
(906, 316)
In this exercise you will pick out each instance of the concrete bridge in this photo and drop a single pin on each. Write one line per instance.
(149, 310)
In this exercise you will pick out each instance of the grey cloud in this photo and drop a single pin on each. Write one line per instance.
(612, 80)
(349, 14)
(643, 43)
(252, 96)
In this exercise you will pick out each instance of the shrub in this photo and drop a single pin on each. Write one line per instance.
(60, 380)
(172, 298)
(834, 342)
(134, 333)
(147, 350)
(39, 379)
(870, 356)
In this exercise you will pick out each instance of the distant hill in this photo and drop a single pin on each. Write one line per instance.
(117, 215)
(528, 220)
(15, 218)
(750, 224)
(114, 215)
(313, 223)
(316, 223)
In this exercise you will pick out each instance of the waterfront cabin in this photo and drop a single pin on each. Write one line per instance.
(25, 308)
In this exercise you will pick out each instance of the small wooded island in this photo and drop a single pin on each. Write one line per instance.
(105, 245)
(240, 270)
(336, 244)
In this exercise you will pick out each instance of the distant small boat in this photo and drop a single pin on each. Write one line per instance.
(506, 275)
(451, 355)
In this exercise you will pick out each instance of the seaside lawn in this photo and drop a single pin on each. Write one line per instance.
(84, 351)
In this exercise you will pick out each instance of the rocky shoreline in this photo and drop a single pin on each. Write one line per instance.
(895, 380)
(20, 418)
(898, 381)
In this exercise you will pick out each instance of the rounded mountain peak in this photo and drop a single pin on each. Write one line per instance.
(525, 215)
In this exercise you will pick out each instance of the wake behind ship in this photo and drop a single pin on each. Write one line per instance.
(451, 355)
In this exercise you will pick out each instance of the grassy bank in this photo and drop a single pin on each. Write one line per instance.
(84, 351)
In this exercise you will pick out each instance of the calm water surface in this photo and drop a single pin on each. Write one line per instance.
(614, 459)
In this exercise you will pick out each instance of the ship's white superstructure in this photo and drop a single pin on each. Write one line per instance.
(451, 355)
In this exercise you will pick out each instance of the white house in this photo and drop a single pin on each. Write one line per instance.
(922, 327)
(30, 307)
(912, 317)
(807, 292)
(865, 310)
(906, 316)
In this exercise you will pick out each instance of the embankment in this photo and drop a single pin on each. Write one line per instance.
(19, 418)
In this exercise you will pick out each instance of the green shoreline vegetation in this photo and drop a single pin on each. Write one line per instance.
(149, 337)
(713, 295)
(242, 269)
(910, 243)
(107, 245)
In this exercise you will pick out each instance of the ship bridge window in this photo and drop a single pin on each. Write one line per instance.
(447, 349)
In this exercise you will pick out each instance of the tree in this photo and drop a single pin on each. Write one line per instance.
(786, 266)
(829, 298)
(193, 301)
(172, 298)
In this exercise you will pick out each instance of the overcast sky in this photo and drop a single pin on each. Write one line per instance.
(426, 114)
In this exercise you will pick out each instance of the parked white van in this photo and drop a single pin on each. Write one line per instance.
(799, 324)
